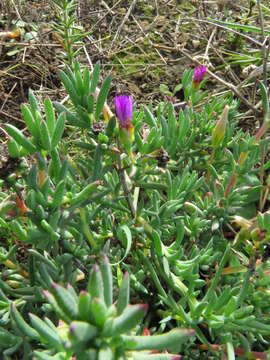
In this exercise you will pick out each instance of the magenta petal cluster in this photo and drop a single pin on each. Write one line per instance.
(199, 73)
(124, 108)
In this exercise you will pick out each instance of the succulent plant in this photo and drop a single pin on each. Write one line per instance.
(91, 326)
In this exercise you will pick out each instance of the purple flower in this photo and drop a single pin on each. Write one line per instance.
(199, 73)
(124, 108)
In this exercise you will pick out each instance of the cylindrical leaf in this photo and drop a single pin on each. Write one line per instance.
(81, 331)
(21, 324)
(30, 121)
(105, 354)
(7, 339)
(17, 135)
(85, 193)
(59, 193)
(107, 278)
(50, 116)
(102, 96)
(84, 306)
(95, 78)
(13, 149)
(99, 311)
(46, 332)
(130, 318)
(45, 137)
(140, 356)
(95, 284)
(59, 129)
(123, 298)
(65, 301)
(157, 342)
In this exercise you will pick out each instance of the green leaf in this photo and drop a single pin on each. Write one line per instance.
(18, 136)
(164, 89)
(30, 121)
(50, 336)
(102, 96)
(158, 342)
(45, 137)
(19, 230)
(7, 339)
(124, 293)
(71, 118)
(139, 142)
(21, 324)
(43, 356)
(105, 354)
(59, 129)
(124, 234)
(90, 104)
(33, 102)
(130, 318)
(65, 301)
(110, 127)
(69, 88)
(237, 26)
(95, 284)
(13, 149)
(81, 331)
(107, 278)
(84, 307)
(51, 300)
(149, 118)
(99, 311)
(97, 163)
(55, 164)
(95, 78)
(50, 116)
(144, 356)
(59, 193)
(157, 243)
(79, 82)
(86, 81)
(85, 193)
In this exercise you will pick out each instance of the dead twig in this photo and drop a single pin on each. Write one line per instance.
(249, 38)
(264, 43)
(123, 22)
(150, 42)
(103, 3)
(8, 95)
(209, 43)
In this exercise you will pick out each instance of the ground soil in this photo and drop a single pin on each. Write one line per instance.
(142, 50)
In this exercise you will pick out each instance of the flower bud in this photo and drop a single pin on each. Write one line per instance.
(220, 128)
(124, 110)
(198, 76)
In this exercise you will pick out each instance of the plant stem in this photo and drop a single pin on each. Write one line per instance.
(261, 177)
(124, 185)
(230, 351)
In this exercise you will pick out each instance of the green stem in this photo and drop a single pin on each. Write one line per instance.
(215, 281)
(230, 351)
